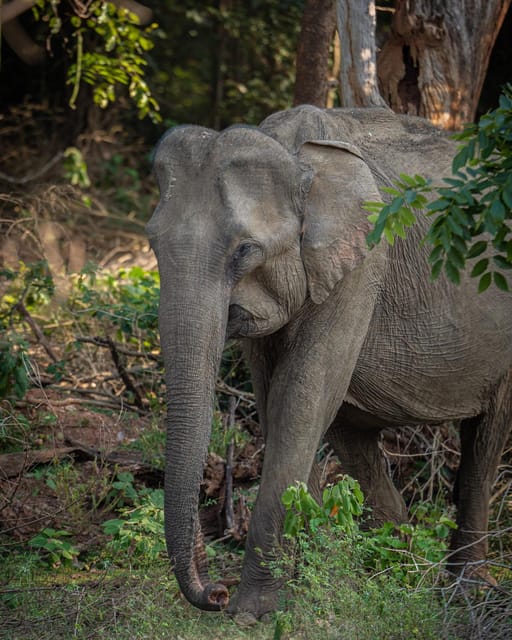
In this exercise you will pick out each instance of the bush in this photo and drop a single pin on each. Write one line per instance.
(359, 584)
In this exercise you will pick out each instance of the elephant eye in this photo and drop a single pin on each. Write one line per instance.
(246, 257)
(243, 250)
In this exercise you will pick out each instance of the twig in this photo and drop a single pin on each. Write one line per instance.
(106, 342)
(228, 501)
(246, 396)
(19, 306)
(124, 375)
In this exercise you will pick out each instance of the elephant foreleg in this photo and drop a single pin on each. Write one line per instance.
(482, 441)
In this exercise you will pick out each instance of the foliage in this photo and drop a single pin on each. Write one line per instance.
(57, 549)
(341, 503)
(408, 551)
(125, 303)
(226, 62)
(396, 548)
(332, 588)
(116, 604)
(75, 168)
(128, 300)
(140, 530)
(477, 199)
(13, 367)
(15, 430)
(109, 48)
(26, 289)
(332, 596)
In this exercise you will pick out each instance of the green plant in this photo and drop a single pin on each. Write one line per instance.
(28, 288)
(341, 504)
(407, 550)
(75, 168)
(127, 299)
(140, 530)
(151, 443)
(347, 582)
(477, 199)
(13, 366)
(412, 553)
(123, 490)
(331, 595)
(15, 430)
(56, 548)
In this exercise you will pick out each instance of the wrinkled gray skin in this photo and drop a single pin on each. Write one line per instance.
(260, 235)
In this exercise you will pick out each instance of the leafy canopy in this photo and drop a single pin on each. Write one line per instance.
(476, 200)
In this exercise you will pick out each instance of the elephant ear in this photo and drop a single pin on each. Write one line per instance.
(335, 224)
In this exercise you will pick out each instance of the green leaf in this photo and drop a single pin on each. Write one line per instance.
(497, 210)
(389, 236)
(500, 281)
(454, 226)
(436, 269)
(391, 190)
(407, 217)
(456, 258)
(452, 272)
(502, 262)
(373, 207)
(396, 204)
(438, 205)
(477, 249)
(435, 254)
(485, 281)
(460, 159)
(409, 180)
(480, 267)
(506, 194)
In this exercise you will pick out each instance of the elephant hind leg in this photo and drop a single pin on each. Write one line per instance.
(360, 454)
(482, 441)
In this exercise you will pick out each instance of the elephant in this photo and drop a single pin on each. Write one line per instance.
(260, 235)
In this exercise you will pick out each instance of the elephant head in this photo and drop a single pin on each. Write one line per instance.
(245, 234)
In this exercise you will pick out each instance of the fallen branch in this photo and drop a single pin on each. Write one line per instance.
(14, 464)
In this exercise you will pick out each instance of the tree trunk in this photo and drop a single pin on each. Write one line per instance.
(435, 61)
(312, 62)
(358, 77)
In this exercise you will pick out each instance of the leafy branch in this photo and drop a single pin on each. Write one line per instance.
(472, 210)
(108, 45)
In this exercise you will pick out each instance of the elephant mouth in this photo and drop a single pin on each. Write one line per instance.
(240, 323)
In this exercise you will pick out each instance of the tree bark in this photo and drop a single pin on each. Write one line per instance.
(312, 61)
(435, 61)
(358, 76)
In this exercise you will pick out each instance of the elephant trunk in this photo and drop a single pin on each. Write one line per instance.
(192, 330)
